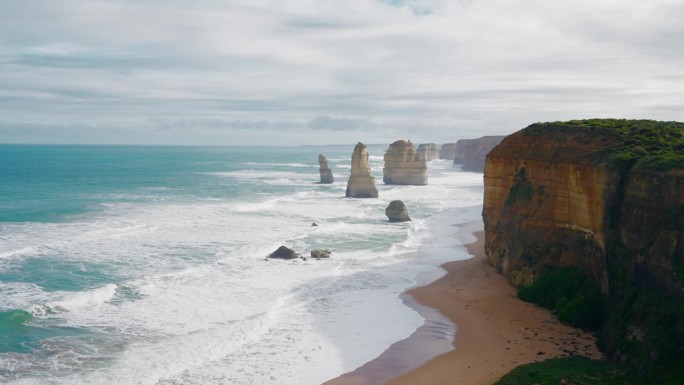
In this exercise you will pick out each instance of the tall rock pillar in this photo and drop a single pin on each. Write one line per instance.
(324, 170)
(361, 183)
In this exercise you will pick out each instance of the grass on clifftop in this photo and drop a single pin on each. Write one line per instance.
(646, 144)
(572, 371)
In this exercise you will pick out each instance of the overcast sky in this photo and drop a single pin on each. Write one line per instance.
(330, 71)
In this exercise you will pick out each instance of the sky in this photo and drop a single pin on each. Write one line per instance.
(293, 72)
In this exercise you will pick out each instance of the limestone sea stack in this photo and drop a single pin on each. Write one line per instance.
(397, 212)
(403, 165)
(428, 151)
(324, 170)
(361, 183)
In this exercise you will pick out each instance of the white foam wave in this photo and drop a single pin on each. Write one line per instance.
(205, 308)
(17, 252)
(76, 301)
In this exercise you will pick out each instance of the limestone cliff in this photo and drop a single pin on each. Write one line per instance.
(403, 165)
(447, 151)
(361, 183)
(471, 153)
(324, 170)
(428, 151)
(606, 197)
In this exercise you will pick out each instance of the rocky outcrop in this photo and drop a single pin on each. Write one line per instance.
(324, 170)
(447, 151)
(321, 253)
(470, 154)
(428, 151)
(284, 253)
(361, 183)
(403, 165)
(396, 212)
(605, 197)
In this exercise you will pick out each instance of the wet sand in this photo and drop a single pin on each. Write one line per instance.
(496, 332)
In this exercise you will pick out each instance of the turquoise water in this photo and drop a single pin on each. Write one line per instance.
(48, 183)
(145, 265)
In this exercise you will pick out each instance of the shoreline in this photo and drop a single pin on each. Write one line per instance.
(496, 332)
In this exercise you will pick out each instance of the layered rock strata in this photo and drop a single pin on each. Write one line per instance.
(606, 197)
(428, 151)
(403, 165)
(361, 183)
(470, 154)
(324, 170)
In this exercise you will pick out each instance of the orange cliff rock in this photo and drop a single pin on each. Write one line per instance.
(559, 194)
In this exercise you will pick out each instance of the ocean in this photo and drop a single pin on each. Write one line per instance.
(146, 265)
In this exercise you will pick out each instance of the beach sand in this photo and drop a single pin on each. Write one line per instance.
(496, 332)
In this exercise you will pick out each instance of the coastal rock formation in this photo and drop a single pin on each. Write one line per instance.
(604, 197)
(321, 253)
(471, 153)
(447, 151)
(403, 165)
(397, 212)
(361, 183)
(284, 253)
(324, 170)
(428, 151)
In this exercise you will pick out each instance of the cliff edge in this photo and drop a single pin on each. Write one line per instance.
(471, 153)
(602, 199)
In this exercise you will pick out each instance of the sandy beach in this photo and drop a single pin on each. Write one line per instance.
(496, 332)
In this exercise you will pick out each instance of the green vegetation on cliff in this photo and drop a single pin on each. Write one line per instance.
(627, 279)
(575, 298)
(642, 144)
(572, 370)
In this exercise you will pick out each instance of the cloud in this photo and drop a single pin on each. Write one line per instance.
(379, 67)
(324, 122)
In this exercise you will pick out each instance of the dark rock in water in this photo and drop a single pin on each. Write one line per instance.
(396, 212)
(314, 224)
(325, 171)
(321, 253)
(284, 253)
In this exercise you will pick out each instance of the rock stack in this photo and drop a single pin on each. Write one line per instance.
(324, 170)
(361, 183)
(428, 151)
(396, 212)
(403, 165)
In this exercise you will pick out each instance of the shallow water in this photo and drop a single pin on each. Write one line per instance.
(145, 265)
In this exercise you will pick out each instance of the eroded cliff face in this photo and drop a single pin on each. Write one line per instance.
(471, 153)
(551, 201)
(533, 192)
